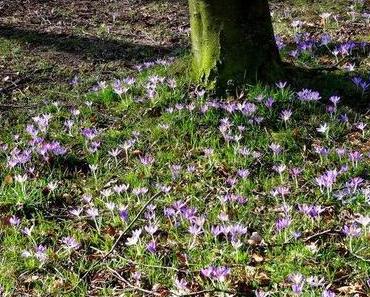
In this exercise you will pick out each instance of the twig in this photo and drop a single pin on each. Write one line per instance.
(19, 106)
(320, 234)
(16, 83)
(323, 68)
(154, 266)
(359, 257)
(215, 290)
(198, 293)
(128, 228)
(121, 278)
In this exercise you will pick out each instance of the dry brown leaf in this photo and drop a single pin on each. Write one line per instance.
(8, 180)
(263, 279)
(255, 239)
(258, 258)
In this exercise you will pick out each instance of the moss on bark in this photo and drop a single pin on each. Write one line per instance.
(232, 40)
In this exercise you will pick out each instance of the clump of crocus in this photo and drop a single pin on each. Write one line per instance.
(217, 273)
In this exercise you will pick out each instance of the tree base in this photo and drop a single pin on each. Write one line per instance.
(232, 42)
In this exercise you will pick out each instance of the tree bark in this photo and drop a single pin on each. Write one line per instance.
(232, 40)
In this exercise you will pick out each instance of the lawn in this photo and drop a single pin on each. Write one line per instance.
(121, 177)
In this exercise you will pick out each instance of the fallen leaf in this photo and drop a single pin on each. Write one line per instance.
(255, 239)
(8, 180)
(257, 258)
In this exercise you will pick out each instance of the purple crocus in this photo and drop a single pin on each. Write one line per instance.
(281, 84)
(328, 293)
(123, 212)
(14, 221)
(146, 160)
(295, 171)
(133, 240)
(297, 289)
(282, 223)
(286, 114)
(140, 191)
(327, 180)
(243, 173)
(216, 273)
(269, 102)
(40, 253)
(92, 212)
(175, 170)
(308, 95)
(120, 188)
(352, 230)
(70, 243)
(312, 211)
(276, 148)
(89, 133)
(354, 157)
(27, 231)
(335, 100)
(195, 230)
(151, 247)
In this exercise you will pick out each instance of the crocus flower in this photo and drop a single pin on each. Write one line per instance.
(27, 230)
(327, 180)
(123, 212)
(106, 193)
(20, 178)
(260, 293)
(281, 84)
(133, 240)
(151, 228)
(361, 126)
(334, 100)
(328, 293)
(297, 289)
(324, 128)
(363, 220)
(146, 160)
(175, 170)
(114, 153)
(70, 243)
(14, 221)
(308, 95)
(269, 102)
(276, 148)
(92, 212)
(89, 133)
(151, 246)
(243, 173)
(195, 230)
(286, 114)
(140, 191)
(120, 188)
(352, 230)
(216, 273)
(181, 284)
(40, 253)
(315, 281)
(282, 223)
(76, 212)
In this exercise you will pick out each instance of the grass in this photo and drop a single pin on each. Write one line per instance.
(216, 164)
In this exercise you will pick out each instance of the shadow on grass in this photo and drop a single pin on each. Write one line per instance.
(95, 48)
(329, 83)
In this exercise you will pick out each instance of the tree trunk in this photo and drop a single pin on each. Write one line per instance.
(232, 40)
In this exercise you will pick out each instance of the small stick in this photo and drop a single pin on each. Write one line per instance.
(128, 228)
(320, 234)
(121, 278)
